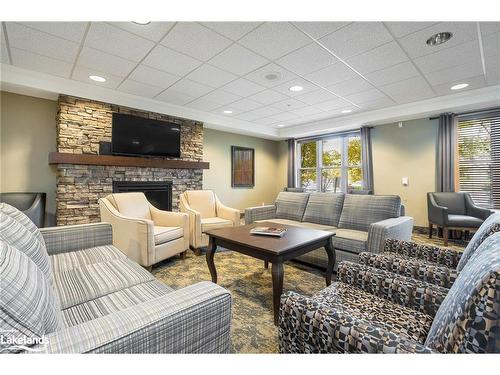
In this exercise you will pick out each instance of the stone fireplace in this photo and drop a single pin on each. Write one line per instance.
(81, 125)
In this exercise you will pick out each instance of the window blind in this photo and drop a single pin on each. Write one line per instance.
(479, 157)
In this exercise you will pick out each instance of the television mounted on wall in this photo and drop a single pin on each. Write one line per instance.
(140, 136)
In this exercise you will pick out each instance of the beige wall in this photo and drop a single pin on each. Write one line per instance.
(410, 152)
(28, 133)
(270, 177)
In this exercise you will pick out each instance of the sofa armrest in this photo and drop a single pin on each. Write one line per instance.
(309, 326)
(435, 254)
(260, 213)
(398, 227)
(195, 319)
(228, 213)
(76, 237)
(476, 211)
(437, 214)
(404, 291)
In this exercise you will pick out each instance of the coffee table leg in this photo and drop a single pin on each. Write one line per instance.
(210, 259)
(266, 264)
(277, 274)
(330, 251)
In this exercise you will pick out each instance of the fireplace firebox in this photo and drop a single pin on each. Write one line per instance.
(158, 193)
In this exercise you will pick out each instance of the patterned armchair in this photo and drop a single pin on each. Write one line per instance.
(429, 263)
(374, 311)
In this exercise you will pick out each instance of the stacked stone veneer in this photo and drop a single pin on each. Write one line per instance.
(81, 125)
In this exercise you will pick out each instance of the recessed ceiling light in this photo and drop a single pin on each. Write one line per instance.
(280, 125)
(347, 111)
(227, 112)
(296, 88)
(459, 86)
(97, 78)
(439, 38)
(142, 22)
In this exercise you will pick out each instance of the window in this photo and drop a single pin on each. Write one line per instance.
(479, 157)
(330, 164)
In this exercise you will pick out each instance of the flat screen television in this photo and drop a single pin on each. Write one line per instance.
(139, 136)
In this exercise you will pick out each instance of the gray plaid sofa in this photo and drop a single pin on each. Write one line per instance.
(360, 222)
(68, 290)
(369, 310)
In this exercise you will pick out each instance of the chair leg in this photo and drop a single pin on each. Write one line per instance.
(183, 254)
(149, 268)
(197, 252)
(430, 230)
(445, 236)
(266, 264)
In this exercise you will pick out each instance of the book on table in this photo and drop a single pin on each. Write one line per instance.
(269, 231)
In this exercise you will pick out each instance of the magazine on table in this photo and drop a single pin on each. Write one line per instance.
(269, 231)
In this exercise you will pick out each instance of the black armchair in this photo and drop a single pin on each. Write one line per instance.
(454, 211)
(31, 204)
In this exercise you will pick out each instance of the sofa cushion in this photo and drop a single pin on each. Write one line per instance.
(209, 223)
(167, 234)
(91, 281)
(291, 206)
(131, 204)
(74, 259)
(202, 201)
(23, 220)
(324, 208)
(360, 211)
(464, 221)
(28, 305)
(16, 235)
(353, 241)
(294, 223)
(113, 302)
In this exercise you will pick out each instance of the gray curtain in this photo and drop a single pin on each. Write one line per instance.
(291, 163)
(445, 160)
(366, 158)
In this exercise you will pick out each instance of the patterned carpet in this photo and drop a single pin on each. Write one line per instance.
(249, 282)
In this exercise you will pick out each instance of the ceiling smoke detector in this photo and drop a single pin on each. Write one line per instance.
(439, 38)
(272, 76)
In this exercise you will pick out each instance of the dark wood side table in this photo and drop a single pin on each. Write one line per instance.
(275, 250)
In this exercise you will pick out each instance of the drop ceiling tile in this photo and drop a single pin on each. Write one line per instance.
(414, 87)
(333, 104)
(153, 31)
(44, 64)
(377, 104)
(264, 112)
(170, 61)
(289, 104)
(307, 111)
(366, 96)
(492, 63)
(331, 75)
(488, 28)
(203, 105)
(81, 73)
(248, 116)
(413, 96)
(378, 58)
(258, 76)
(356, 38)
(245, 105)
(222, 97)
(174, 97)
(140, 89)
(447, 58)
(319, 29)
(471, 69)
(491, 44)
(474, 83)
(25, 38)
(274, 39)
(238, 60)
(415, 44)
(285, 87)
(493, 77)
(243, 87)
(4, 55)
(211, 76)
(307, 59)
(195, 40)
(266, 121)
(285, 116)
(351, 86)
(267, 97)
(73, 31)
(400, 29)
(115, 41)
(190, 88)
(316, 97)
(154, 77)
(220, 111)
(94, 59)
(392, 74)
(232, 30)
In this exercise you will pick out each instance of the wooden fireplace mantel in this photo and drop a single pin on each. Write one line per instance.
(124, 161)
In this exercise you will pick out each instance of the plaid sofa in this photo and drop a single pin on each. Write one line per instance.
(360, 222)
(369, 310)
(69, 290)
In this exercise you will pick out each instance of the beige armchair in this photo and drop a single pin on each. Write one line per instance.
(206, 212)
(143, 232)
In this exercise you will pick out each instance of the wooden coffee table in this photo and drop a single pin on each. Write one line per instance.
(297, 241)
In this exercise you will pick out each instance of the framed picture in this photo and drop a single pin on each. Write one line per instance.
(242, 167)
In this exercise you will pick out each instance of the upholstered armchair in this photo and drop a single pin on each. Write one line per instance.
(454, 211)
(144, 233)
(206, 212)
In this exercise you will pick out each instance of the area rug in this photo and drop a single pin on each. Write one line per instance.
(252, 328)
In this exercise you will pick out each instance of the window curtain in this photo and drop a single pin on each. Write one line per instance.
(291, 163)
(366, 158)
(446, 147)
